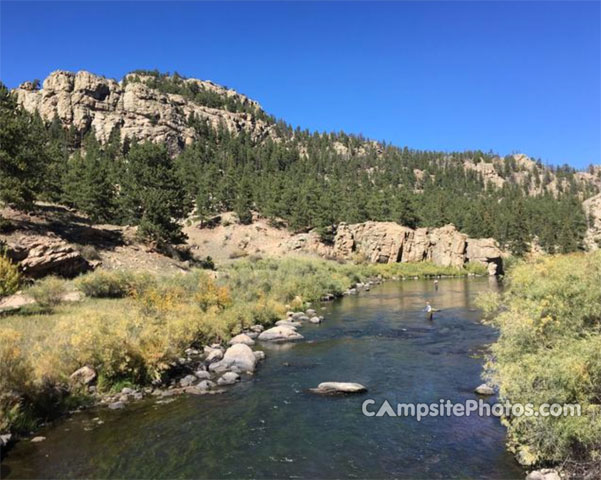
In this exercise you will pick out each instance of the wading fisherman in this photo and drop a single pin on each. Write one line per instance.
(429, 311)
(436, 284)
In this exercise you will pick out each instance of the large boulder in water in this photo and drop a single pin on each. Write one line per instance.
(280, 334)
(239, 357)
(333, 388)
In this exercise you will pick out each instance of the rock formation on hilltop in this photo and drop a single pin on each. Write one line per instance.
(389, 242)
(592, 207)
(83, 101)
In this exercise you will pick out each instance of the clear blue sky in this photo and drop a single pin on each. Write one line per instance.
(516, 76)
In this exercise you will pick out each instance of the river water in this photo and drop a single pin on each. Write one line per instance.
(270, 427)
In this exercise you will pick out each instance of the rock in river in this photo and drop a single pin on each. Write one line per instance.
(228, 378)
(484, 390)
(188, 380)
(214, 356)
(280, 334)
(238, 357)
(332, 388)
(242, 338)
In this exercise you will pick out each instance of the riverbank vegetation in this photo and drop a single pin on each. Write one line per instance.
(549, 351)
(132, 327)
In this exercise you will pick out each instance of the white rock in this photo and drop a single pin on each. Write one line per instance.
(188, 380)
(280, 334)
(202, 375)
(484, 389)
(37, 439)
(315, 320)
(288, 323)
(544, 474)
(214, 355)
(228, 378)
(240, 356)
(338, 387)
(242, 338)
(259, 355)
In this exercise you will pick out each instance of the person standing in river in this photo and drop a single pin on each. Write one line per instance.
(436, 284)
(429, 311)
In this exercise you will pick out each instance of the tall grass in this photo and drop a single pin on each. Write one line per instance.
(133, 327)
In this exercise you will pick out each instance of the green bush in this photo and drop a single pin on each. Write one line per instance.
(10, 279)
(111, 283)
(48, 292)
(549, 351)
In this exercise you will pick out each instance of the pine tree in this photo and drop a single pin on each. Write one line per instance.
(151, 194)
(23, 158)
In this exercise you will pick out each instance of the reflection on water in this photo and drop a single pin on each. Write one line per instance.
(270, 427)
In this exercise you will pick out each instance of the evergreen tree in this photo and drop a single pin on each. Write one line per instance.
(151, 194)
(23, 157)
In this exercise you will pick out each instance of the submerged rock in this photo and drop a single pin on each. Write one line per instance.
(116, 405)
(484, 389)
(332, 388)
(280, 334)
(37, 439)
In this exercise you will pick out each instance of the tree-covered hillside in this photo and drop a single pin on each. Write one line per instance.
(311, 180)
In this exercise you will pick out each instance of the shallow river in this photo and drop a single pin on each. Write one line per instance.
(270, 427)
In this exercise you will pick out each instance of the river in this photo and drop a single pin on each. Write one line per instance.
(269, 426)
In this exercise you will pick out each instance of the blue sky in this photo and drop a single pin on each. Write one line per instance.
(507, 76)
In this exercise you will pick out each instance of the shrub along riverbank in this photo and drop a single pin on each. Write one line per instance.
(549, 351)
(132, 327)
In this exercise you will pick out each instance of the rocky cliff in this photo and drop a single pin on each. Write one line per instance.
(592, 207)
(83, 101)
(388, 242)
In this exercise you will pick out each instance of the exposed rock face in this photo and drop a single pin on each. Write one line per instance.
(84, 100)
(389, 242)
(39, 255)
(592, 207)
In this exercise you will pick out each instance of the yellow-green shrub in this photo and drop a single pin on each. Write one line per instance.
(111, 283)
(10, 279)
(549, 351)
(48, 292)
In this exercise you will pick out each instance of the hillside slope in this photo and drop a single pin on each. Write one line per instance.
(227, 154)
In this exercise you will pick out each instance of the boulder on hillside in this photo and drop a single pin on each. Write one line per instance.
(39, 255)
